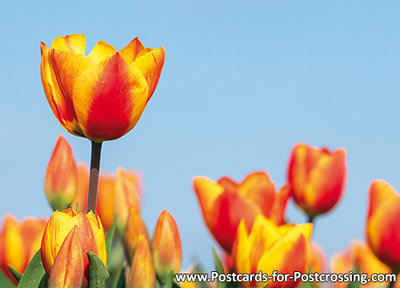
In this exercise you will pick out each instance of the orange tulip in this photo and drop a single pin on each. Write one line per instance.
(382, 229)
(317, 178)
(166, 246)
(61, 176)
(89, 231)
(68, 269)
(358, 256)
(100, 96)
(142, 274)
(268, 248)
(224, 203)
(82, 188)
(134, 228)
(19, 241)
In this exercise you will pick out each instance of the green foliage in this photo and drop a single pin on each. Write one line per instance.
(98, 274)
(33, 274)
(4, 282)
(110, 238)
(15, 273)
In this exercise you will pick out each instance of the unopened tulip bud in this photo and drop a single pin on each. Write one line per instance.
(134, 228)
(166, 246)
(61, 176)
(68, 267)
(142, 274)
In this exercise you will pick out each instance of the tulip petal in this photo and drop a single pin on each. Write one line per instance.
(130, 51)
(379, 192)
(68, 267)
(151, 64)
(105, 200)
(101, 51)
(279, 207)
(109, 98)
(74, 43)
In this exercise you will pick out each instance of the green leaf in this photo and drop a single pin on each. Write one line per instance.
(15, 273)
(353, 285)
(110, 237)
(117, 277)
(33, 274)
(170, 280)
(4, 282)
(220, 269)
(98, 274)
(44, 282)
(121, 280)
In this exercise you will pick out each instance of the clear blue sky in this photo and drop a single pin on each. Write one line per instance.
(243, 82)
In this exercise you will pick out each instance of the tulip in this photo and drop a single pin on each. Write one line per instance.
(268, 248)
(89, 231)
(317, 178)
(61, 176)
(166, 246)
(68, 269)
(100, 96)
(317, 259)
(142, 273)
(358, 257)
(382, 227)
(19, 241)
(126, 196)
(224, 203)
(82, 188)
(134, 228)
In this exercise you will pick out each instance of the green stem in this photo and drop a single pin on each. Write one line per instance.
(94, 177)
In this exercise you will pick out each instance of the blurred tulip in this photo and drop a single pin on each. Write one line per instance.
(166, 246)
(89, 231)
(317, 178)
(142, 274)
(19, 241)
(68, 269)
(358, 257)
(126, 196)
(100, 96)
(61, 176)
(268, 248)
(316, 262)
(224, 203)
(382, 229)
(134, 228)
(82, 188)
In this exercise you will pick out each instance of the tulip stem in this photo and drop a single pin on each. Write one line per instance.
(94, 177)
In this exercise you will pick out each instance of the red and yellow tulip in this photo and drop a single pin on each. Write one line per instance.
(61, 176)
(68, 267)
(225, 203)
(358, 257)
(19, 241)
(142, 273)
(166, 246)
(134, 228)
(317, 178)
(269, 247)
(100, 96)
(89, 230)
(382, 229)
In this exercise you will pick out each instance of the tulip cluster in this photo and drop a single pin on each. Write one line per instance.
(96, 236)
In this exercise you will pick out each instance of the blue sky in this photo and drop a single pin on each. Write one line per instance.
(243, 81)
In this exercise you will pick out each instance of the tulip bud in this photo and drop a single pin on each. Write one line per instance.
(105, 199)
(382, 227)
(126, 196)
(134, 228)
(68, 269)
(82, 188)
(166, 246)
(19, 241)
(61, 176)
(89, 231)
(317, 178)
(142, 274)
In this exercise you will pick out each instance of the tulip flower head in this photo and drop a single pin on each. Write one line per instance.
(225, 203)
(85, 228)
(61, 176)
(19, 241)
(100, 96)
(358, 257)
(317, 178)
(269, 247)
(166, 246)
(382, 229)
(135, 227)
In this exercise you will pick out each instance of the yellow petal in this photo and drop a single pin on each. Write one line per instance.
(74, 43)
(101, 51)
